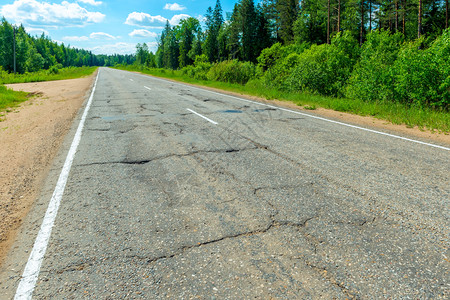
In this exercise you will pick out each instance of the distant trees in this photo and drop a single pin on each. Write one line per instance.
(252, 27)
(37, 53)
(373, 50)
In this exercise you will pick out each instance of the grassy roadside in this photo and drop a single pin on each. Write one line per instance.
(10, 98)
(395, 113)
(47, 75)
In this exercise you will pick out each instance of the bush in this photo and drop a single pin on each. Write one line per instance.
(417, 76)
(373, 77)
(277, 62)
(53, 70)
(199, 69)
(325, 69)
(232, 71)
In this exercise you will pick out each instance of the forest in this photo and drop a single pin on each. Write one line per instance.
(376, 51)
(33, 54)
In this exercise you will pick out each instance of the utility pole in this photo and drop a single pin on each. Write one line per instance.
(14, 48)
(419, 29)
(328, 23)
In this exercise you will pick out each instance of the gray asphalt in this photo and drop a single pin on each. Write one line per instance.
(267, 204)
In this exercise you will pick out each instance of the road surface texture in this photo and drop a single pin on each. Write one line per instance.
(178, 192)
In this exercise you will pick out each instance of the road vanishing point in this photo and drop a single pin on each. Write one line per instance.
(165, 190)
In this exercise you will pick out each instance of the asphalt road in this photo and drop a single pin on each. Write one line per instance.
(178, 192)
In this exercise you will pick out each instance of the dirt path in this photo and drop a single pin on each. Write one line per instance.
(30, 137)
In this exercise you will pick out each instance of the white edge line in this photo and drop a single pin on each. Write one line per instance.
(147, 88)
(209, 120)
(31, 272)
(308, 115)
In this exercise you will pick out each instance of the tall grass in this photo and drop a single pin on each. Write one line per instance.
(396, 113)
(10, 98)
(47, 75)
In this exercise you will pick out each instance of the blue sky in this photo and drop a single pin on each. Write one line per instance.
(103, 26)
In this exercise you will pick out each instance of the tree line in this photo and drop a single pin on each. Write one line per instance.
(379, 51)
(250, 27)
(37, 53)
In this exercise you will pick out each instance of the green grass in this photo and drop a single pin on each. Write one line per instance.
(396, 113)
(10, 98)
(46, 75)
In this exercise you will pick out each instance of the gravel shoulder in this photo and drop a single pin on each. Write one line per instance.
(30, 137)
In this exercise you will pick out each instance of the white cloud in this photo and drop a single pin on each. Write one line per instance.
(142, 33)
(177, 18)
(91, 2)
(36, 31)
(75, 38)
(117, 48)
(101, 35)
(145, 20)
(174, 6)
(66, 14)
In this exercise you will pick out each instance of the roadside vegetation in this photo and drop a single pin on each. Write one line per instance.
(46, 75)
(387, 59)
(10, 98)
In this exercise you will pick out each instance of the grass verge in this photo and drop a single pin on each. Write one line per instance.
(47, 75)
(395, 113)
(10, 98)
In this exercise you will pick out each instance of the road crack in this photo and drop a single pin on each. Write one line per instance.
(162, 157)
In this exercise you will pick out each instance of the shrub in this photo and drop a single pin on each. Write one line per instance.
(372, 78)
(277, 62)
(199, 69)
(325, 69)
(232, 71)
(417, 76)
(53, 70)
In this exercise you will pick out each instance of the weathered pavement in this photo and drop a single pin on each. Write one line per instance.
(162, 203)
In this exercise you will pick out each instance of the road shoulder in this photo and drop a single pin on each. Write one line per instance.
(31, 136)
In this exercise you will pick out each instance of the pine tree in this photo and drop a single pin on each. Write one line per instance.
(287, 15)
(214, 21)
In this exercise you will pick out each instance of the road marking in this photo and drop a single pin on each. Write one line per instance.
(30, 274)
(147, 88)
(131, 79)
(209, 120)
(307, 115)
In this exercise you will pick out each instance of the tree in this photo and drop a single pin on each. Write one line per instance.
(214, 21)
(248, 27)
(311, 24)
(287, 14)
(189, 29)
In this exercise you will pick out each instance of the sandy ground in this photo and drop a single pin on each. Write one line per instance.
(30, 137)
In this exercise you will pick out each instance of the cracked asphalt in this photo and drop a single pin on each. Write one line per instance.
(267, 204)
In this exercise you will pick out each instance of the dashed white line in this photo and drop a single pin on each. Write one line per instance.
(147, 88)
(30, 274)
(201, 116)
(131, 79)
